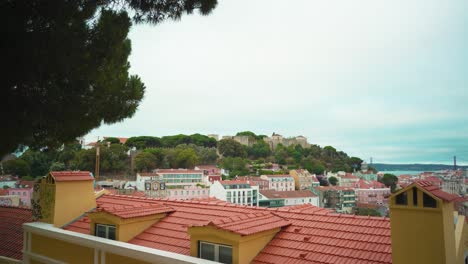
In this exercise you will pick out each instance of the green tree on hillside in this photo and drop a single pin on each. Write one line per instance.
(259, 150)
(111, 140)
(145, 161)
(17, 167)
(333, 180)
(389, 180)
(231, 148)
(143, 142)
(235, 165)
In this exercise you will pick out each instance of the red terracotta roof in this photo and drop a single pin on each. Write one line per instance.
(121, 139)
(177, 171)
(207, 167)
(434, 179)
(363, 184)
(349, 176)
(62, 176)
(11, 230)
(335, 188)
(436, 191)
(315, 235)
(132, 211)
(248, 224)
(148, 174)
(287, 194)
(278, 175)
(3, 192)
(232, 182)
(27, 184)
(251, 178)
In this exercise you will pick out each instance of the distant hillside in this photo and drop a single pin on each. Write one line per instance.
(413, 167)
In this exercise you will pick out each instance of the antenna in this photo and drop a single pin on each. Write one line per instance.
(454, 162)
(97, 160)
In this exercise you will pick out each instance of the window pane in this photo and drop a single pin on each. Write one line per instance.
(111, 234)
(207, 251)
(101, 231)
(402, 199)
(415, 196)
(225, 255)
(428, 201)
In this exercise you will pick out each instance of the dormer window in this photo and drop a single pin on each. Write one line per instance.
(215, 252)
(428, 201)
(402, 199)
(105, 231)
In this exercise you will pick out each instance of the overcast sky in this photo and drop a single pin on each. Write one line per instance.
(382, 79)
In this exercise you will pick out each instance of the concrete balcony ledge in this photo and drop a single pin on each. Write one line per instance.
(100, 245)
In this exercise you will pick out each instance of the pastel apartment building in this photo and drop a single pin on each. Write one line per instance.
(25, 195)
(236, 192)
(172, 177)
(342, 199)
(288, 198)
(303, 179)
(279, 182)
(126, 229)
(188, 192)
(347, 179)
(255, 180)
(371, 192)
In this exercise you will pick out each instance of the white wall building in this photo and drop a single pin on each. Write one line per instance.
(237, 192)
(291, 197)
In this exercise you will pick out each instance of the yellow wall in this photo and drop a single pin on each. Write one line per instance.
(244, 248)
(422, 235)
(72, 199)
(126, 229)
(72, 253)
(295, 175)
(117, 259)
(61, 250)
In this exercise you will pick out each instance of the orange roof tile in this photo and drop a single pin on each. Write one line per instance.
(313, 235)
(11, 230)
(436, 191)
(287, 194)
(62, 176)
(178, 171)
(231, 182)
(250, 223)
(132, 211)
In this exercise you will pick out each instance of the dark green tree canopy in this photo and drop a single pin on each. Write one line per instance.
(231, 148)
(143, 142)
(17, 167)
(112, 140)
(333, 180)
(67, 68)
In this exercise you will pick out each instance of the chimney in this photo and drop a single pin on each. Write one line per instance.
(62, 196)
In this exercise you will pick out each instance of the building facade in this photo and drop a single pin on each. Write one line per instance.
(255, 180)
(371, 192)
(188, 192)
(303, 179)
(279, 182)
(236, 192)
(290, 197)
(25, 195)
(342, 199)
